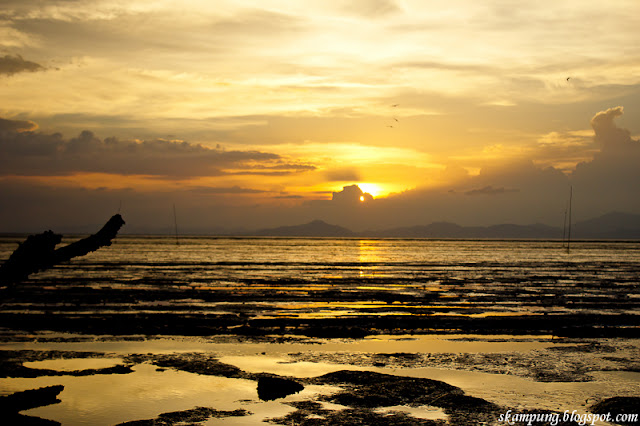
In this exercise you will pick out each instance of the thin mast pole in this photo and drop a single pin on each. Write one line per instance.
(175, 223)
(569, 233)
(564, 228)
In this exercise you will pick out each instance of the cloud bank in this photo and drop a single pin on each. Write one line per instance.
(519, 192)
(26, 152)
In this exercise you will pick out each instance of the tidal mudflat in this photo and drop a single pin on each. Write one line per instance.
(324, 331)
(435, 379)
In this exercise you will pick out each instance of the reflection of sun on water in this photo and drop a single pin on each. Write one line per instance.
(369, 253)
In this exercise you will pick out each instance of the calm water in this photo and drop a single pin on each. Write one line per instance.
(457, 277)
(203, 258)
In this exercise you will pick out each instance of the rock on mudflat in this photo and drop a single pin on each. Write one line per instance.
(270, 388)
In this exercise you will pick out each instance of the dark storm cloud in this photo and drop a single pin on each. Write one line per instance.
(40, 154)
(10, 65)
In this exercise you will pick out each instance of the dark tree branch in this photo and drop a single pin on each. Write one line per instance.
(38, 252)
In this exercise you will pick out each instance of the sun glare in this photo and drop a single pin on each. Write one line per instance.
(370, 188)
(362, 198)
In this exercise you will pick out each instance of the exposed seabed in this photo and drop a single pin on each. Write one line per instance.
(382, 379)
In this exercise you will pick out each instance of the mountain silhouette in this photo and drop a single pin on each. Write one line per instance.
(613, 225)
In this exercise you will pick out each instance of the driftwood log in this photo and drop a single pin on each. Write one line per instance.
(39, 251)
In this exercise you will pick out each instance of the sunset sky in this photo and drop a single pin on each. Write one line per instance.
(249, 114)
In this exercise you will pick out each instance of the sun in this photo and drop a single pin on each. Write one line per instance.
(370, 188)
(362, 198)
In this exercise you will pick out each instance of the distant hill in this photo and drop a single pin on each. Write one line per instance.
(451, 230)
(317, 228)
(609, 226)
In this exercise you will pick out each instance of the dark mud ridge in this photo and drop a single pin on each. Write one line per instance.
(619, 405)
(198, 414)
(255, 307)
(11, 364)
(576, 325)
(11, 405)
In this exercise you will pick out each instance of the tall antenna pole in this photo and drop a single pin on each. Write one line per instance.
(569, 232)
(564, 227)
(175, 223)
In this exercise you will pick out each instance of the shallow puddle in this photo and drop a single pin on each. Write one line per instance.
(424, 412)
(149, 391)
(72, 364)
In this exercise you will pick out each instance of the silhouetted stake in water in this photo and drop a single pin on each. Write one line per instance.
(569, 231)
(38, 252)
(175, 224)
(566, 229)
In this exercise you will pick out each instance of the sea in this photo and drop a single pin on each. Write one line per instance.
(282, 285)
(459, 277)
